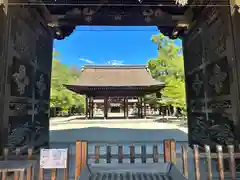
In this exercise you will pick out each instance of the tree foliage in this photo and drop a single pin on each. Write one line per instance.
(168, 67)
(60, 95)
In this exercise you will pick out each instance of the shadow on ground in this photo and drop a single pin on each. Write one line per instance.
(116, 134)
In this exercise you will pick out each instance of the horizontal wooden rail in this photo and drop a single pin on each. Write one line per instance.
(132, 155)
(127, 156)
(128, 142)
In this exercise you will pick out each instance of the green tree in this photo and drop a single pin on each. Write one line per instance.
(60, 95)
(168, 67)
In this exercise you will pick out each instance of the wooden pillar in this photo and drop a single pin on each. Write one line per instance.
(138, 108)
(141, 108)
(91, 108)
(124, 107)
(145, 108)
(105, 107)
(127, 107)
(86, 103)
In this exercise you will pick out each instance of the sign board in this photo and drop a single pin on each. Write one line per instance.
(53, 158)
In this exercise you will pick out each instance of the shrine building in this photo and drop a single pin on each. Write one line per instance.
(117, 85)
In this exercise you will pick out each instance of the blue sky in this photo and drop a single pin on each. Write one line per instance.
(108, 45)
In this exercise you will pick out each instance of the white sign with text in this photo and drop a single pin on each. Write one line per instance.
(53, 158)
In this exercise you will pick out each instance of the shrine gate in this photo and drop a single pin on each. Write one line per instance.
(211, 42)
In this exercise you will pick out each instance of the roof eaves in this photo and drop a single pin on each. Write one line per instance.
(106, 66)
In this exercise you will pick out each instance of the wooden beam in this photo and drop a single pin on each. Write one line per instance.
(112, 16)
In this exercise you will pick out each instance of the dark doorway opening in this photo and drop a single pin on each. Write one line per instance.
(115, 109)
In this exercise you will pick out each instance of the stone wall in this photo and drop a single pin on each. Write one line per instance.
(27, 87)
(211, 78)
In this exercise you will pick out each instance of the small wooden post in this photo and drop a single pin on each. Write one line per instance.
(16, 173)
(30, 174)
(78, 159)
(196, 162)
(232, 163)
(97, 154)
(132, 154)
(220, 162)
(84, 149)
(21, 177)
(166, 150)
(209, 162)
(65, 173)
(41, 173)
(54, 174)
(5, 156)
(143, 154)
(173, 151)
(108, 155)
(120, 154)
(185, 161)
(155, 153)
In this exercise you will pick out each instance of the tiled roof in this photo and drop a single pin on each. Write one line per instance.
(115, 76)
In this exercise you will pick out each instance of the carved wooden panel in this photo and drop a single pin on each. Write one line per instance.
(29, 78)
(42, 86)
(218, 77)
(195, 83)
(21, 75)
(41, 125)
(214, 122)
(198, 128)
(20, 132)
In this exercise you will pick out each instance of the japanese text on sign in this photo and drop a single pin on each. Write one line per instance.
(53, 158)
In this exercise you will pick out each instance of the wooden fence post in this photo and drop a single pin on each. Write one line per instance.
(54, 174)
(97, 154)
(66, 170)
(132, 154)
(209, 162)
(84, 153)
(143, 154)
(185, 161)
(16, 173)
(173, 151)
(220, 162)
(30, 174)
(232, 163)
(108, 154)
(78, 159)
(41, 173)
(196, 162)
(5, 156)
(120, 154)
(155, 153)
(167, 150)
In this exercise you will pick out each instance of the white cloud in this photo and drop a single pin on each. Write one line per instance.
(86, 60)
(114, 62)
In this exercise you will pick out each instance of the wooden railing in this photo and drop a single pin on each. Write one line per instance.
(82, 156)
(170, 155)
